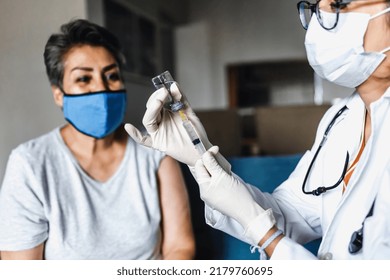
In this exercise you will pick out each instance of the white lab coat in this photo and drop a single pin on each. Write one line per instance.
(333, 216)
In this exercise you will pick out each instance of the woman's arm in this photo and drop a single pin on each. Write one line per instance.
(178, 238)
(30, 254)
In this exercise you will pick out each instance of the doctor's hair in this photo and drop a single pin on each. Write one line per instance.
(77, 33)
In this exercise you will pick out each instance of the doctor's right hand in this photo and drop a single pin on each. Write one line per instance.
(228, 194)
(165, 131)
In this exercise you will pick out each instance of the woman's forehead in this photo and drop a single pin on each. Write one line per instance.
(88, 56)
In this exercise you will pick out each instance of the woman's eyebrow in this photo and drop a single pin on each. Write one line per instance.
(82, 68)
(109, 67)
(106, 68)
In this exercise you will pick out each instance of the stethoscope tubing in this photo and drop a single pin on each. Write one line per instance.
(320, 190)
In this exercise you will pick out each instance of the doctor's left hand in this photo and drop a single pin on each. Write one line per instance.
(165, 131)
(228, 194)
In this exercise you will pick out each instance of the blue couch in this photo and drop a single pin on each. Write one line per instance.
(266, 172)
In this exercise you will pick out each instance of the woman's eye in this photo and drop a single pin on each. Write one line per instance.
(113, 77)
(83, 79)
(337, 5)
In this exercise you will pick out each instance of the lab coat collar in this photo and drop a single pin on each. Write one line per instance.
(353, 122)
(355, 102)
(387, 93)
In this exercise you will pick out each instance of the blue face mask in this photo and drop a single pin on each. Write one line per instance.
(96, 114)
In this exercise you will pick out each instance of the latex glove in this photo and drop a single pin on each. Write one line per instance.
(228, 194)
(165, 131)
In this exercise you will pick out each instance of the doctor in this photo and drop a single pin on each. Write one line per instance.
(340, 189)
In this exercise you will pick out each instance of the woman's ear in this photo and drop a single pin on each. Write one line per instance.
(58, 95)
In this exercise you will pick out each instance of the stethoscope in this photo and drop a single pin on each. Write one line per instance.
(356, 242)
(320, 190)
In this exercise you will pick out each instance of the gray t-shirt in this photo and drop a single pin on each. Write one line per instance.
(47, 197)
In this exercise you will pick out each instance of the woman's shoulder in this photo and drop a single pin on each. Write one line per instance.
(36, 147)
(143, 149)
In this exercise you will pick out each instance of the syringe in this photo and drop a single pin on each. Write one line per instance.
(191, 132)
(165, 80)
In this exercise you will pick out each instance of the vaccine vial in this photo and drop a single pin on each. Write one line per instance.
(165, 80)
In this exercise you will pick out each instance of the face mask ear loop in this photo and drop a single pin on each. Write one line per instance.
(385, 50)
(62, 90)
(377, 15)
(380, 13)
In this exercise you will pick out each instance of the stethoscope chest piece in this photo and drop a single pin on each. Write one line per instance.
(356, 243)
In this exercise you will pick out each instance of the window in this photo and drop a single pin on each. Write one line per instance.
(270, 83)
(147, 42)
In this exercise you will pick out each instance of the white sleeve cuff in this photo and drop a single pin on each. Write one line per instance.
(260, 226)
(288, 249)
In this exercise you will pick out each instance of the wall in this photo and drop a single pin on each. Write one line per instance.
(222, 32)
(26, 106)
(217, 33)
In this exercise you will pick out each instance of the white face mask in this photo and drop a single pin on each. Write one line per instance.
(338, 55)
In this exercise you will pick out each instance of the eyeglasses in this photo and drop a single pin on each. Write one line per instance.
(328, 18)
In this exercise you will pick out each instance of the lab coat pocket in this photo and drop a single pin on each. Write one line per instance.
(376, 238)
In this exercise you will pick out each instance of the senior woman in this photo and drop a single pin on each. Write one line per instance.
(340, 189)
(86, 190)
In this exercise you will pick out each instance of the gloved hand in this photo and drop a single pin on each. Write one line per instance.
(228, 194)
(165, 129)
